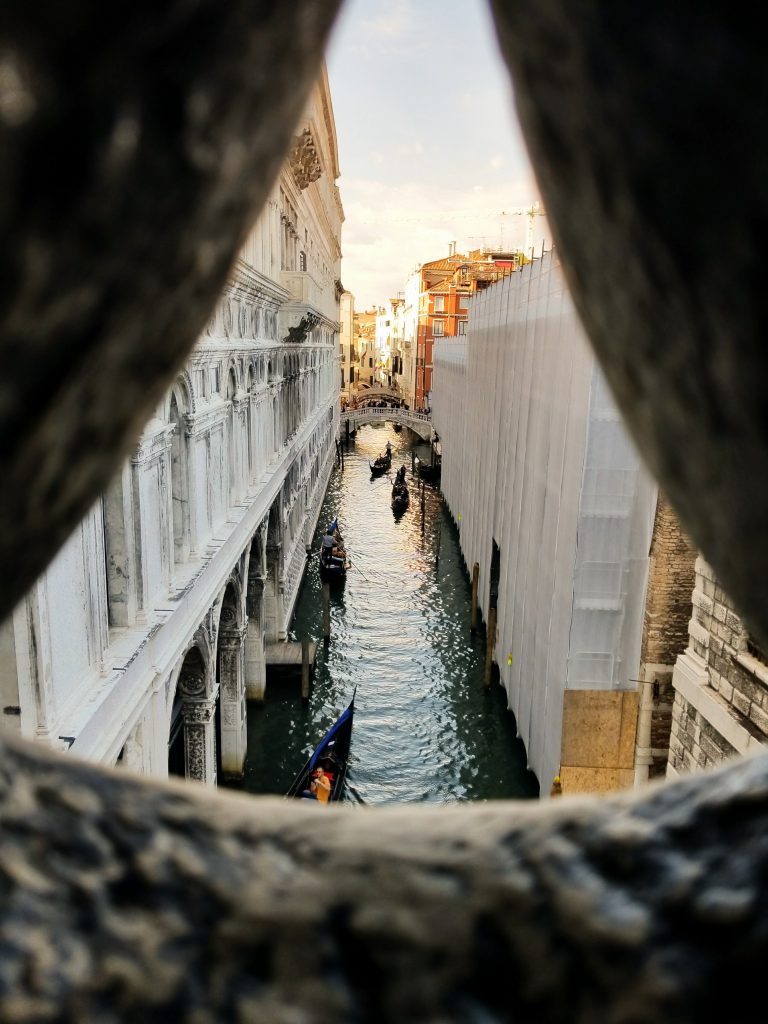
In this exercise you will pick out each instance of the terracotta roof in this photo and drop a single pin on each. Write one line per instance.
(447, 263)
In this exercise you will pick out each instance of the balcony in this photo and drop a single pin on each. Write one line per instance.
(303, 288)
(307, 306)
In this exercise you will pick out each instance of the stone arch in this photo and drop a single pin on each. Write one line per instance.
(231, 732)
(191, 741)
(255, 637)
(272, 602)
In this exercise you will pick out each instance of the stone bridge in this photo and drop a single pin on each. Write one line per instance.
(419, 423)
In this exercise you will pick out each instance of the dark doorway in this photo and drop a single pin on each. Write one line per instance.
(495, 576)
(176, 759)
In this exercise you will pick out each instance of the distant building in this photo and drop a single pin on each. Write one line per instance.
(364, 336)
(389, 332)
(436, 305)
(349, 362)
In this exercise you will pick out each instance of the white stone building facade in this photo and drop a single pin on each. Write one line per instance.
(144, 638)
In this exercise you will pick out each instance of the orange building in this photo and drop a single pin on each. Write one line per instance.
(445, 289)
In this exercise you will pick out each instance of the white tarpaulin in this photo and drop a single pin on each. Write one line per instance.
(536, 460)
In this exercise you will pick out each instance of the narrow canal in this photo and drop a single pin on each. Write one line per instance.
(425, 729)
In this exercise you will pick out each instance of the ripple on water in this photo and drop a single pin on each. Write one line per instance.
(425, 731)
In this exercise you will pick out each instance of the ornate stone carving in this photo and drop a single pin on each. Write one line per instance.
(228, 617)
(304, 160)
(301, 331)
(199, 712)
(191, 683)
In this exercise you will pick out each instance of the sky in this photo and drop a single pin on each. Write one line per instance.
(429, 146)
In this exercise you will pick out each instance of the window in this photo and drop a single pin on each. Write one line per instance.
(464, 301)
(302, 261)
(439, 303)
(437, 329)
(462, 326)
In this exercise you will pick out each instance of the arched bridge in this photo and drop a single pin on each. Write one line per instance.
(419, 422)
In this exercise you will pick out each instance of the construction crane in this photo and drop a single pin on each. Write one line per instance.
(531, 212)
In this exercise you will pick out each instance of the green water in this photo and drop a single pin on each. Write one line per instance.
(425, 728)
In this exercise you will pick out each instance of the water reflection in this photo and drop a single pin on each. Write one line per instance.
(424, 728)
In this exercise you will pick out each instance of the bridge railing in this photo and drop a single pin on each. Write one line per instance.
(373, 413)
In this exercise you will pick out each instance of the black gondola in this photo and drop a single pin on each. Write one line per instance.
(429, 473)
(381, 465)
(332, 755)
(400, 498)
(397, 427)
(332, 567)
(333, 557)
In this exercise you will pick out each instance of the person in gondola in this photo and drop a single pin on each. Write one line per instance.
(320, 786)
(400, 477)
(388, 452)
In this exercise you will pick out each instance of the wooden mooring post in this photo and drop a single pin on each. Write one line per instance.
(305, 668)
(326, 612)
(473, 605)
(490, 643)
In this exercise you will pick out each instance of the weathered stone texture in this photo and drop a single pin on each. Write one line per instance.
(723, 652)
(129, 902)
(670, 584)
(150, 903)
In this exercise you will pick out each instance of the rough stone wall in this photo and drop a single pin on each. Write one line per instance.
(671, 578)
(661, 724)
(720, 640)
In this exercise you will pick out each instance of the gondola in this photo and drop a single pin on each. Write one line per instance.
(397, 427)
(381, 465)
(429, 473)
(332, 567)
(332, 755)
(333, 557)
(400, 498)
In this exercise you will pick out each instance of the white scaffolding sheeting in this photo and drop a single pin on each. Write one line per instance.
(536, 459)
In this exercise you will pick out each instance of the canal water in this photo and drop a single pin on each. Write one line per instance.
(425, 729)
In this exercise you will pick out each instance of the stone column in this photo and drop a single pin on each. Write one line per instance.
(231, 654)
(200, 739)
(255, 664)
(190, 437)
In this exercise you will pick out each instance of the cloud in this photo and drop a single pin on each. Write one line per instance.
(395, 24)
(389, 229)
(496, 161)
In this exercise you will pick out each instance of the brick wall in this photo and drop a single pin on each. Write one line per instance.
(734, 680)
(671, 578)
